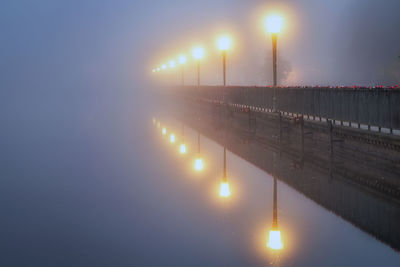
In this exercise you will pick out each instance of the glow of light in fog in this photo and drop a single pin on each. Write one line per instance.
(198, 164)
(164, 131)
(274, 240)
(274, 23)
(163, 66)
(224, 190)
(182, 59)
(182, 149)
(172, 64)
(224, 43)
(153, 70)
(158, 124)
(198, 52)
(172, 138)
(154, 121)
(158, 69)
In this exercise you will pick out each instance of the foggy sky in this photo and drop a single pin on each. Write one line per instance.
(92, 44)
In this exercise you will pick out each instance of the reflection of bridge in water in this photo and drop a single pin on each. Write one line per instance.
(352, 172)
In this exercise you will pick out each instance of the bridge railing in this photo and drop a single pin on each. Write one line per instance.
(378, 107)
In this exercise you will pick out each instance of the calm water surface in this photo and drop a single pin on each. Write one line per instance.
(90, 181)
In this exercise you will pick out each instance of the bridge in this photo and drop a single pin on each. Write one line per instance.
(340, 163)
(337, 146)
(364, 108)
(360, 131)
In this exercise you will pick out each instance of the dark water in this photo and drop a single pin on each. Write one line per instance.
(89, 181)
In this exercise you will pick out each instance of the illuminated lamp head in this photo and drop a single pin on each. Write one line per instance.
(198, 53)
(274, 24)
(224, 43)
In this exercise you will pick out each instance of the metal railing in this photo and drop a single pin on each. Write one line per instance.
(379, 107)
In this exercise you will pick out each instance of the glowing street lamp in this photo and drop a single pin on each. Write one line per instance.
(158, 69)
(224, 189)
(172, 64)
(153, 70)
(163, 66)
(224, 44)
(164, 131)
(274, 24)
(198, 54)
(182, 60)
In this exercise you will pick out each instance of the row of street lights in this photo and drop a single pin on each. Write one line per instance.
(274, 241)
(198, 53)
(273, 25)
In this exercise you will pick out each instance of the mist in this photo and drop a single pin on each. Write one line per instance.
(83, 183)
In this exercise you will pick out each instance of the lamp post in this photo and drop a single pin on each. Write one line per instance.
(182, 60)
(223, 44)
(172, 65)
(198, 54)
(274, 25)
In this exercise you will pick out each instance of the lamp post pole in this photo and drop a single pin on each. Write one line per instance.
(274, 57)
(198, 73)
(182, 75)
(224, 65)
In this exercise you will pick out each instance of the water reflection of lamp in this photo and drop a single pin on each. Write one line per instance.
(172, 138)
(274, 237)
(224, 190)
(198, 163)
(182, 147)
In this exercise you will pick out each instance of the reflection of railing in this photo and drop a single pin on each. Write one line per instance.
(379, 107)
(368, 210)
